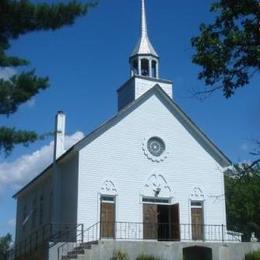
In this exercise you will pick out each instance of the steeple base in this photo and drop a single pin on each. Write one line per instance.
(137, 86)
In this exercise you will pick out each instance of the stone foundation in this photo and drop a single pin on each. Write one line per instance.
(168, 250)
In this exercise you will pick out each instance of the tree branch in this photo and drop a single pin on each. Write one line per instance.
(19, 89)
(9, 137)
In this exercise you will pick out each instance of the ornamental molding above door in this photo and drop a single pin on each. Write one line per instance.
(108, 188)
(197, 194)
(156, 185)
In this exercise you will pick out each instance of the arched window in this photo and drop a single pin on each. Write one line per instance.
(135, 67)
(145, 67)
(154, 72)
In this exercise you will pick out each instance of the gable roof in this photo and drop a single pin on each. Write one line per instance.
(185, 120)
(189, 125)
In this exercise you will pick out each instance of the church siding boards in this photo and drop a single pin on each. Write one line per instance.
(189, 125)
(43, 186)
(117, 155)
(39, 188)
(143, 85)
(88, 198)
(69, 190)
(137, 86)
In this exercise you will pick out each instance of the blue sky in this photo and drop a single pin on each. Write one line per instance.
(88, 61)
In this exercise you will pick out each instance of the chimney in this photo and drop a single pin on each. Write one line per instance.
(59, 137)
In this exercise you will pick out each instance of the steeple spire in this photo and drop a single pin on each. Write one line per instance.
(144, 59)
(144, 45)
(143, 21)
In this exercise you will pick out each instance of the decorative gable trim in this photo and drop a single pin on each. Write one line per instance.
(108, 188)
(197, 194)
(157, 186)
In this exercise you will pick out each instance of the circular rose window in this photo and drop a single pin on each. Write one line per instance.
(154, 149)
(156, 146)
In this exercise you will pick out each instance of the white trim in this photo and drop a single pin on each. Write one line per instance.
(156, 202)
(196, 206)
(108, 201)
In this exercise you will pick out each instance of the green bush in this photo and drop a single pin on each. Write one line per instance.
(253, 255)
(147, 257)
(119, 255)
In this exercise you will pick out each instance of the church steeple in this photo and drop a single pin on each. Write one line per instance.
(144, 60)
(144, 64)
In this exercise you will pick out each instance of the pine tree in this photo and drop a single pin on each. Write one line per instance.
(5, 242)
(18, 17)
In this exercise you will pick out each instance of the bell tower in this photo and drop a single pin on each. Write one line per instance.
(144, 68)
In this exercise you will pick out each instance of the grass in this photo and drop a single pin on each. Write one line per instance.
(147, 257)
(253, 255)
(119, 255)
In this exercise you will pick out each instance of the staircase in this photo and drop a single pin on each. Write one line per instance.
(79, 250)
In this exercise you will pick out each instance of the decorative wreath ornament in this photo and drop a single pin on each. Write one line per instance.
(154, 149)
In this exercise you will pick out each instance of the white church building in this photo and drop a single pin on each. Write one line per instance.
(148, 173)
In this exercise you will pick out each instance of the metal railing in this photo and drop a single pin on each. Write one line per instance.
(163, 232)
(83, 241)
(134, 231)
(47, 235)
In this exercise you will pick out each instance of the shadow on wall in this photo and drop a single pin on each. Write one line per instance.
(197, 253)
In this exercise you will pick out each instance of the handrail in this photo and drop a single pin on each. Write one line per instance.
(59, 235)
(61, 249)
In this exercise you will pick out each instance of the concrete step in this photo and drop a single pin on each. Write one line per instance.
(69, 257)
(79, 250)
(88, 244)
(76, 252)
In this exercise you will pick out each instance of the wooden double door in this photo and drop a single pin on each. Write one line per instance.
(161, 222)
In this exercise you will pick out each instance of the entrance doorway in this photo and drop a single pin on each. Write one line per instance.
(161, 222)
(107, 217)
